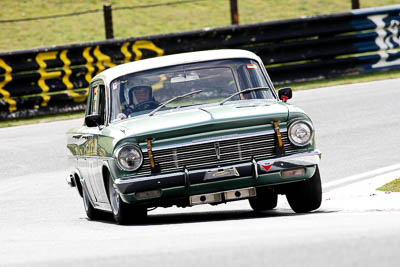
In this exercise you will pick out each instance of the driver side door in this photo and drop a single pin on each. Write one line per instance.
(94, 161)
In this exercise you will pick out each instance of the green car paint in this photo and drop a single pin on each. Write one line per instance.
(92, 150)
(172, 128)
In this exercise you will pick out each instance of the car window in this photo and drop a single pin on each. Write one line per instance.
(139, 93)
(96, 104)
(94, 108)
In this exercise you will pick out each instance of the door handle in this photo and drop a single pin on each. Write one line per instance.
(77, 136)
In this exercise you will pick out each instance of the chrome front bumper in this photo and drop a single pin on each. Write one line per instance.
(194, 177)
(290, 162)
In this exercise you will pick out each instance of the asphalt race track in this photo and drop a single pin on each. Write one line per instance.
(42, 220)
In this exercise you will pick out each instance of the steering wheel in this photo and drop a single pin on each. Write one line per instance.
(151, 104)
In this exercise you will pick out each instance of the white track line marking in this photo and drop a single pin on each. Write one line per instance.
(361, 176)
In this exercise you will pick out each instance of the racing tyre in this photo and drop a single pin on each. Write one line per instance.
(265, 200)
(305, 196)
(124, 213)
(91, 212)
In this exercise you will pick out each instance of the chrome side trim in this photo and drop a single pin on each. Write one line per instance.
(146, 178)
(91, 157)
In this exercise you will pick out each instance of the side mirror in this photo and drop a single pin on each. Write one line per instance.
(285, 94)
(93, 120)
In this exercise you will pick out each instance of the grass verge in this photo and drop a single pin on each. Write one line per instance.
(393, 186)
(145, 21)
(41, 119)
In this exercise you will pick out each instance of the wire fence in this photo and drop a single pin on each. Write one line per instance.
(138, 18)
(100, 10)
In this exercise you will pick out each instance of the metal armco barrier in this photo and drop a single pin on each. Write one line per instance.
(54, 79)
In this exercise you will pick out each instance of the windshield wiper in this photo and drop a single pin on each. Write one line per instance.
(173, 99)
(241, 92)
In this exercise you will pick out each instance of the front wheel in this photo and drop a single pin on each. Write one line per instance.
(91, 212)
(124, 213)
(266, 199)
(305, 196)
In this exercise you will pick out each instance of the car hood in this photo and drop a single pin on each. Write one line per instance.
(200, 119)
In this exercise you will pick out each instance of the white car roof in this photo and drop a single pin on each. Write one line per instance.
(171, 60)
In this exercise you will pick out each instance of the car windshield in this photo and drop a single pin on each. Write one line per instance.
(139, 93)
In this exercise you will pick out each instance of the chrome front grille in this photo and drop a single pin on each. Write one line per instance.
(214, 153)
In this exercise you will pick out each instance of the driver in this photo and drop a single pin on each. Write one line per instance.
(141, 98)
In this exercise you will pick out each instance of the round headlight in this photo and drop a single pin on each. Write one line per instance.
(300, 133)
(129, 158)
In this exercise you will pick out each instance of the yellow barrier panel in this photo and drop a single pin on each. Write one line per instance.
(144, 44)
(40, 59)
(7, 79)
(77, 97)
(89, 66)
(126, 53)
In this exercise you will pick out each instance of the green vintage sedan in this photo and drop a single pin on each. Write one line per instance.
(189, 129)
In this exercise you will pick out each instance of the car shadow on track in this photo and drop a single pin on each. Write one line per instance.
(214, 216)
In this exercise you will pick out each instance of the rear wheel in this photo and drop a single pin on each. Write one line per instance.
(266, 199)
(305, 196)
(124, 213)
(91, 212)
